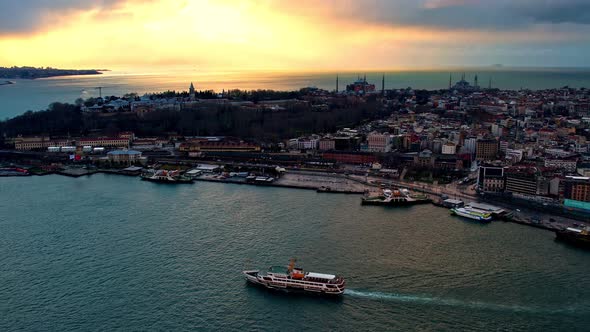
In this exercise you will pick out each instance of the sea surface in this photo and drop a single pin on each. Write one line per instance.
(114, 253)
(38, 94)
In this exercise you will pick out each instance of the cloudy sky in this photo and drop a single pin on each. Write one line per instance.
(302, 34)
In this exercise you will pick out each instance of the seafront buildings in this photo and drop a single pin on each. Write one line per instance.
(519, 145)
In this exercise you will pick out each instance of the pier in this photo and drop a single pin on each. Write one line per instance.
(338, 183)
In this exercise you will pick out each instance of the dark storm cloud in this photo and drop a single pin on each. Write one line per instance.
(25, 16)
(558, 11)
(462, 14)
(22, 16)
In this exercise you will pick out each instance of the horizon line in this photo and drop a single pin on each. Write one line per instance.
(166, 68)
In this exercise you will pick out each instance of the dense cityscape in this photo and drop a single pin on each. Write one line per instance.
(525, 148)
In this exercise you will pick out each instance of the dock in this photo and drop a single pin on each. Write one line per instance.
(76, 172)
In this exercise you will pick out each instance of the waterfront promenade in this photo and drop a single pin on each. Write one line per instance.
(356, 184)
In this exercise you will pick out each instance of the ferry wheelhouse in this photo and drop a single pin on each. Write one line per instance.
(291, 278)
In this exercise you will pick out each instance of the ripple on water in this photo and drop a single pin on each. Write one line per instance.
(118, 253)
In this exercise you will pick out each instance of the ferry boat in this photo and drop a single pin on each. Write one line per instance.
(470, 213)
(390, 197)
(291, 278)
(164, 176)
(574, 236)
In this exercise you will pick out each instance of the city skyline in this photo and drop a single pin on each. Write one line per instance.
(398, 165)
(280, 35)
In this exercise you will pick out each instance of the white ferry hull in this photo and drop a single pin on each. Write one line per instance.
(292, 285)
(471, 216)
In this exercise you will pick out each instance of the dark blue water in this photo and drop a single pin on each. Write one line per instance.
(38, 94)
(115, 253)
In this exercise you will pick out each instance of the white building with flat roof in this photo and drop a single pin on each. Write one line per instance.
(449, 148)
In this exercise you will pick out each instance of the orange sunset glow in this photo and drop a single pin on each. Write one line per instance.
(249, 34)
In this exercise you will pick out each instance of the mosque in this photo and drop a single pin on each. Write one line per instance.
(463, 85)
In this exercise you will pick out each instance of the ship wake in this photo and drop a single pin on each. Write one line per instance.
(438, 301)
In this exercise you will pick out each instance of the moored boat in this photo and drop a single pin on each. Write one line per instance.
(14, 171)
(574, 236)
(470, 213)
(324, 189)
(291, 278)
(390, 197)
(164, 176)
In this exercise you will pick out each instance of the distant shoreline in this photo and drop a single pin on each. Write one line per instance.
(35, 73)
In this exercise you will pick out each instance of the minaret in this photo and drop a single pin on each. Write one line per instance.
(450, 81)
(475, 83)
(337, 83)
(490, 84)
(191, 91)
(383, 86)
(365, 78)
